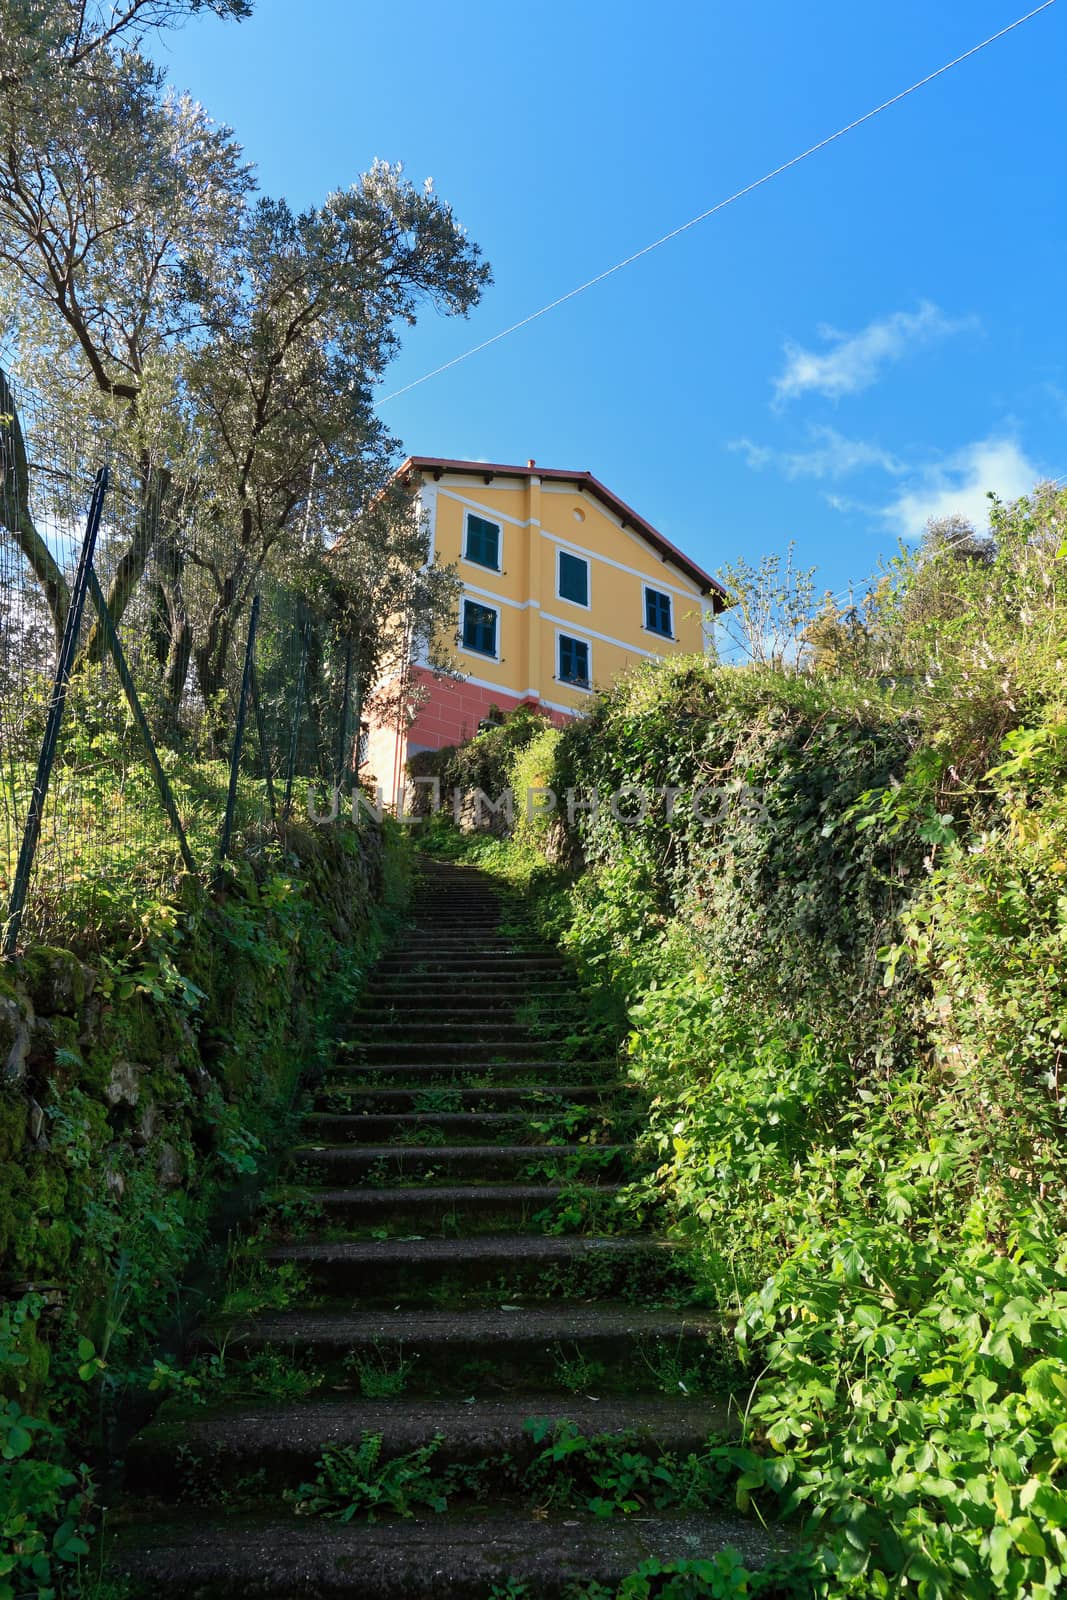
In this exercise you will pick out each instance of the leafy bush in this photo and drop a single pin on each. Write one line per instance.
(484, 762)
(154, 1079)
(45, 1507)
(847, 996)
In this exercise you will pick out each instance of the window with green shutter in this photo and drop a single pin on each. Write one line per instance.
(479, 628)
(573, 661)
(658, 613)
(483, 542)
(573, 578)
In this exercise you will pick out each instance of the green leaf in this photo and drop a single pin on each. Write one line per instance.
(17, 1442)
(68, 1543)
(1000, 1549)
(1003, 1497)
(1028, 1537)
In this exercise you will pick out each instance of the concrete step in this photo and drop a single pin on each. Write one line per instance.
(482, 1350)
(445, 897)
(457, 909)
(284, 1441)
(464, 973)
(413, 1127)
(352, 1162)
(396, 955)
(467, 930)
(418, 1003)
(464, 923)
(467, 923)
(537, 1098)
(429, 992)
(518, 1264)
(424, 907)
(428, 896)
(465, 1558)
(474, 972)
(432, 1129)
(394, 1074)
(394, 1044)
(466, 942)
(489, 1027)
(477, 1207)
(475, 966)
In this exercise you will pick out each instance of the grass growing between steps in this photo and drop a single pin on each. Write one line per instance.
(607, 1475)
(604, 1476)
(342, 1380)
(723, 1577)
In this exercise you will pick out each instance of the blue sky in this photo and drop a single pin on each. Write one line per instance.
(874, 337)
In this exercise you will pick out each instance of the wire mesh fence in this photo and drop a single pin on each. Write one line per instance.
(175, 742)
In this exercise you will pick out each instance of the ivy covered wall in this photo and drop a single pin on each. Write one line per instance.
(141, 1083)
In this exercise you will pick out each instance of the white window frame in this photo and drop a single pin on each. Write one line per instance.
(480, 566)
(575, 555)
(646, 590)
(578, 638)
(467, 649)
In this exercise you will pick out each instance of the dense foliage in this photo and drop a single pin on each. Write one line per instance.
(484, 763)
(145, 1079)
(847, 994)
(217, 347)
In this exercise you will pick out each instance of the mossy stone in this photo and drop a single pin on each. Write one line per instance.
(55, 980)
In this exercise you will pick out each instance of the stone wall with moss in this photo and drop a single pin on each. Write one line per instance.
(141, 1081)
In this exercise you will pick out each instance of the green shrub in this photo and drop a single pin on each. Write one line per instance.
(847, 1000)
(162, 1072)
(484, 762)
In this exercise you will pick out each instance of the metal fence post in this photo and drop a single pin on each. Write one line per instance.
(290, 771)
(264, 748)
(32, 831)
(239, 730)
(342, 731)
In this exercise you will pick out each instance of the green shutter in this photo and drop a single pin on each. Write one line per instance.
(573, 660)
(658, 613)
(573, 579)
(479, 628)
(483, 542)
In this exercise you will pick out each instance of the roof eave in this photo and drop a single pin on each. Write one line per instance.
(707, 585)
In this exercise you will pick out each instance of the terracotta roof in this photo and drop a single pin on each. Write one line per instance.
(585, 480)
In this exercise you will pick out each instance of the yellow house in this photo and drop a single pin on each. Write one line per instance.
(563, 588)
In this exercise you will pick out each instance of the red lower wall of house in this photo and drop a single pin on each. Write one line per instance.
(450, 713)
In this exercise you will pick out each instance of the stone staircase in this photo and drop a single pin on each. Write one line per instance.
(452, 1235)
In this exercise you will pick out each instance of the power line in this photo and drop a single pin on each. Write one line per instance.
(721, 205)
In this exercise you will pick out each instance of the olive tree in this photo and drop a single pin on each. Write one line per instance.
(107, 182)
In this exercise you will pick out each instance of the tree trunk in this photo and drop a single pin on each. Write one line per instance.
(15, 512)
(155, 486)
(172, 631)
(211, 659)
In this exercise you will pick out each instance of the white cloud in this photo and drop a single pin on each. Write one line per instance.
(848, 506)
(831, 456)
(960, 484)
(854, 361)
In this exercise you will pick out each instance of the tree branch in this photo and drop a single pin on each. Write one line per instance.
(15, 512)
